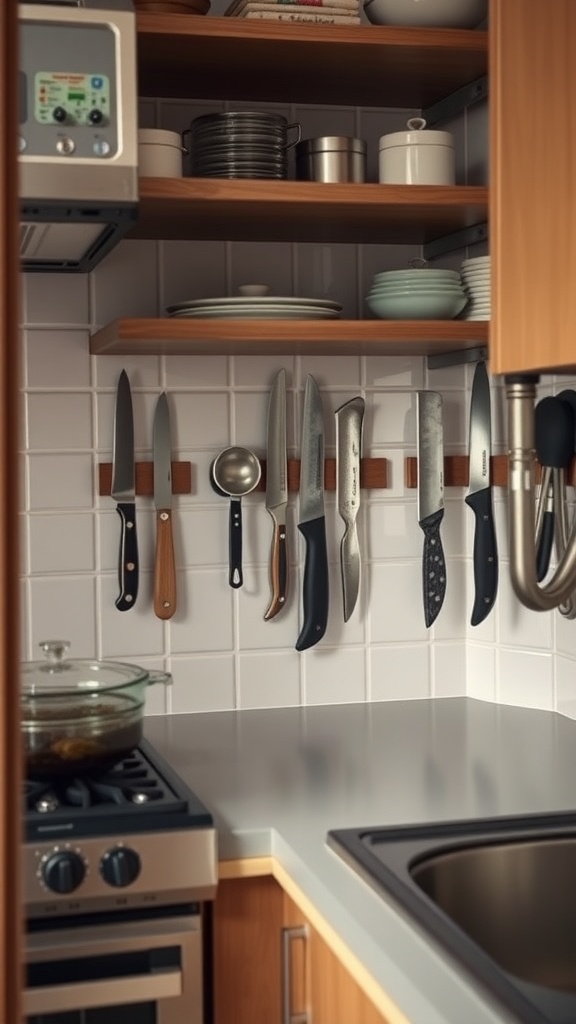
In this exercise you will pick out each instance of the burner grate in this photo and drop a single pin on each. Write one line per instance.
(140, 793)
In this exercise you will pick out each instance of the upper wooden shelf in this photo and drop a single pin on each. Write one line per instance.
(168, 336)
(200, 57)
(266, 210)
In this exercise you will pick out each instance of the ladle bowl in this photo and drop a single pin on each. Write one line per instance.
(234, 473)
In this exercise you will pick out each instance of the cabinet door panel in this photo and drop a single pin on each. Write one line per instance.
(532, 190)
(247, 951)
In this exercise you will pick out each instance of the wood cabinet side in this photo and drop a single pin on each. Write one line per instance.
(533, 185)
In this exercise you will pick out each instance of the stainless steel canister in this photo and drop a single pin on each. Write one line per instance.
(331, 158)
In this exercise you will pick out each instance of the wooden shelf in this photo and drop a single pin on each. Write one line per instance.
(170, 336)
(265, 210)
(199, 57)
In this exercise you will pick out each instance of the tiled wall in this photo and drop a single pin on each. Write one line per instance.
(218, 648)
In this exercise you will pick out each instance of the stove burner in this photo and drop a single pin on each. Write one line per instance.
(128, 782)
(139, 794)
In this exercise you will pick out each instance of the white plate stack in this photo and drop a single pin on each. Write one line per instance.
(475, 275)
(246, 307)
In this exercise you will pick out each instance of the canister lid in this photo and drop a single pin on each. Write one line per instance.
(330, 144)
(416, 136)
(158, 137)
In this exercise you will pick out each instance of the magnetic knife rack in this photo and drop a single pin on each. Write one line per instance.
(456, 468)
(373, 474)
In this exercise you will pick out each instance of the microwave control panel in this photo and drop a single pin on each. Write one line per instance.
(68, 91)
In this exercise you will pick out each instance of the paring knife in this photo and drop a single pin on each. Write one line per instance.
(277, 493)
(312, 522)
(123, 490)
(431, 500)
(479, 498)
(349, 422)
(164, 567)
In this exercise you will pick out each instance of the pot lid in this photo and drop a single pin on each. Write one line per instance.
(416, 136)
(58, 675)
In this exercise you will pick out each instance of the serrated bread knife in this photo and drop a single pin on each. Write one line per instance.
(123, 490)
(312, 523)
(164, 566)
(277, 493)
(479, 498)
(349, 421)
(431, 500)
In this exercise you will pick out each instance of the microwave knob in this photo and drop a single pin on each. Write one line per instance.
(59, 114)
(120, 866)
(63, 871)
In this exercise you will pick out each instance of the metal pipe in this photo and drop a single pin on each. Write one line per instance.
(521, 393)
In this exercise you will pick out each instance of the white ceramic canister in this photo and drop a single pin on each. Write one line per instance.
(416, 157)
(159, 153)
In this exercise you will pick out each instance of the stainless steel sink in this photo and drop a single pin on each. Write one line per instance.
(499, 895)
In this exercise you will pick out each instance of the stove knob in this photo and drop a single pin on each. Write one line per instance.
(63, 871)
(120, 866)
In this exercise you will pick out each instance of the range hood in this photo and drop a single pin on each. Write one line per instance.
(78, 152)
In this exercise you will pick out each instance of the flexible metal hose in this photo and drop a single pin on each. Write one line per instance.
(521, 393)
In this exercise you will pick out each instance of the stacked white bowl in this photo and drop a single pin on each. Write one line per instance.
(419, 293)
(476, 283)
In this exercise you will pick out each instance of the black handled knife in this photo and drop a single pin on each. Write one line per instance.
(431, 500)
(312, 522)
(479, 498)
(123, 490)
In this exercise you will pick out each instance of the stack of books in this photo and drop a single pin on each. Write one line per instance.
(331, 12)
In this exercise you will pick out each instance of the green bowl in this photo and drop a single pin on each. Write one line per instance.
(416, 307)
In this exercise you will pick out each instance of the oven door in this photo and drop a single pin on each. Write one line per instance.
(148, 971)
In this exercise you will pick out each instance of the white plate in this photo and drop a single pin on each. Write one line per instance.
(262, 301)
(476, 261)
(256, 313)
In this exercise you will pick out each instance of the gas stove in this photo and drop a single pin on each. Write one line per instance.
(136, 836)
(119, 872)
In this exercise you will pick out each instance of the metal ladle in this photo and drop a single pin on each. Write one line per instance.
(234, 473)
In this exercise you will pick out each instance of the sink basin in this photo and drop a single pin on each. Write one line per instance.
(498, 894)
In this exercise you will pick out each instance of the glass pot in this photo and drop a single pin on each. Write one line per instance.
(80, 717)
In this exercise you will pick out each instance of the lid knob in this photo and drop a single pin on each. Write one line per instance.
(55, 651)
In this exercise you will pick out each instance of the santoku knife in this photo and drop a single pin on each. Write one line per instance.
(431, 500)
(312, 522)
(277, 493)
(164, 567)
(123, 490)
(349, 421)
(479, 498)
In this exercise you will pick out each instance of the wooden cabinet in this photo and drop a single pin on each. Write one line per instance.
(532, 185)
(271, 965)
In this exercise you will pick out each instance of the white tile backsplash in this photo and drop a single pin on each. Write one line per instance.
(220, 651)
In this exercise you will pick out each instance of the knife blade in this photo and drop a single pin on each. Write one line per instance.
(164, 566)
(312, 522)
(349, 422)
(431, 500)
(277, 494)
(123, 490)
(479, 498)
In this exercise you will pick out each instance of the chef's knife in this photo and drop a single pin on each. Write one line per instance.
(312, 522)
(277, 493)
(479, 498)
(164, 567)
(431, 500)
(349, 421)
(123, 490)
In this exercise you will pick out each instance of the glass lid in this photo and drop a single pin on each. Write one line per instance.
(58, 675)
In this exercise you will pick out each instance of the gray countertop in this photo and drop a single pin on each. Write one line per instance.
(277, 780)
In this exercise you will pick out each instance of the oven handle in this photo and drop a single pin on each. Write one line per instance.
(70, 943)
(90, 994)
